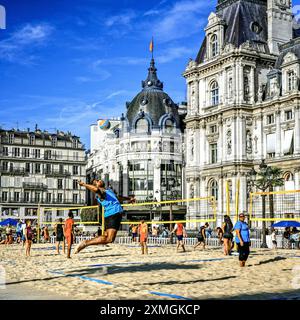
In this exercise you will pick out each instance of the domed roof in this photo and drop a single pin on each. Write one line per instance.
(152, 101)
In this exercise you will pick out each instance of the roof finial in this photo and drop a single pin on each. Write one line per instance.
(151, 46)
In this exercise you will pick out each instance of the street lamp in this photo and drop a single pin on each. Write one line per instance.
(263, 187)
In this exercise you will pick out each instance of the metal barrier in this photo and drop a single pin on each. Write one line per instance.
(211, 242)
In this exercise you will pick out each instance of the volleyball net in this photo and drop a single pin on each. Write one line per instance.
(195, 210)
(90, 215)
(275, 206)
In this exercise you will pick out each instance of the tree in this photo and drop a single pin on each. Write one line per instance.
(268, 180)
(265, 180)
(89, 215)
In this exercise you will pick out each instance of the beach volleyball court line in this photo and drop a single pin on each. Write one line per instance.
(82, 277)
(174, 296)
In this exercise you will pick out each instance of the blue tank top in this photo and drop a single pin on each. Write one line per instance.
(111, 203)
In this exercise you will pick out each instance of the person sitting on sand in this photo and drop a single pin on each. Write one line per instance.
(201, 236)
(143, 233)
(69, 233)
(28, 237)
(180, 233)
(113, 212)
(220, 235)
(9, 238)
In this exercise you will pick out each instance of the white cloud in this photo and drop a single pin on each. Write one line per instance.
(173, 53)
(123, 19)
(32, 34)
(120, 61)
(29, 36)
(82, 79)
(184, 18)
(152, 12)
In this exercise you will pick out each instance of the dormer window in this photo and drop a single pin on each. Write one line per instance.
(214, 90)
(75, 144)
(11, 138)
(54, 141)
(142, 126)
(291, 80)
(31, 139)
(169, 126)
(214, 45)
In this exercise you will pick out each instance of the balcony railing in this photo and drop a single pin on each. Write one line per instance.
(57, 173)
(34, 186)
(14, 171)
(41, 201)
(43, 158)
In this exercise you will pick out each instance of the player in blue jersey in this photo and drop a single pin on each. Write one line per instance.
(112, 212)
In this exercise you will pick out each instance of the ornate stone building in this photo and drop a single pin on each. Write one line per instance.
(141, 153)
(243, 99)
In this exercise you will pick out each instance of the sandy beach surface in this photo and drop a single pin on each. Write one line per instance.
(121, 272)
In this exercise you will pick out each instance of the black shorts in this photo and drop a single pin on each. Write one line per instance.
(228, 236)
(60, 237)
(244, 251)
(179, 237)
(113, 222)
(200, 239)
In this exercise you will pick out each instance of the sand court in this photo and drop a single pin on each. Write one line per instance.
(121, 272)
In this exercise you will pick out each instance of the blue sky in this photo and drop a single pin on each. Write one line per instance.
(64, 64)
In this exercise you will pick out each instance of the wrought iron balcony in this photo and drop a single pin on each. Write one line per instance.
(57, 173)
(14, 171)
(34, 186)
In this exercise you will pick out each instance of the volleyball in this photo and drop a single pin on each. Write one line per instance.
(104, 124)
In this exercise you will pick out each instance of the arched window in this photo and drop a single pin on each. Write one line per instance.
(291, 80)
(214, 90)
(214, 45)
(289, 183)
(288, 176)
(142, 126)
(169, 126)
(213, 188)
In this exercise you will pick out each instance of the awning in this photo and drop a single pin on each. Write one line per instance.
(288, 140)
(271, 143)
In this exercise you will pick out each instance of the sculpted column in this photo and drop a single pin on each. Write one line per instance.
(125, 178)
(278, 134)
(156, 178)
(297, 129)
(197, 102)
(252, 77)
